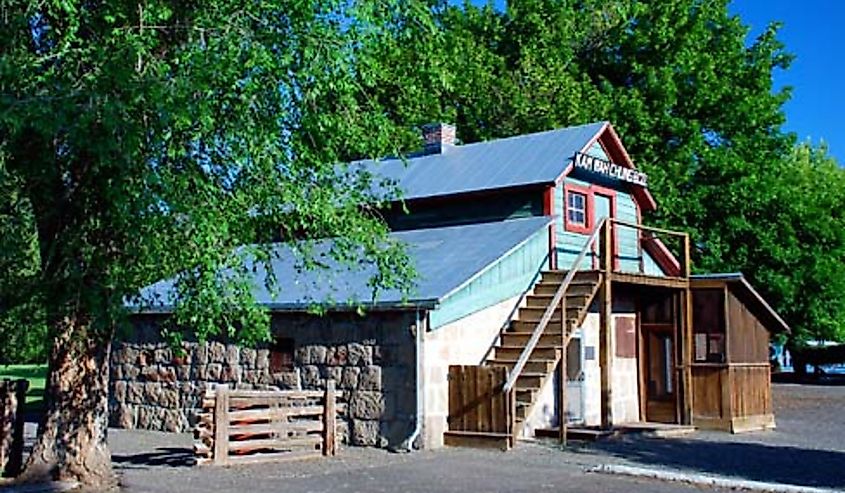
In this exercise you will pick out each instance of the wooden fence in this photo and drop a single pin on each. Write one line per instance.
(247, 426)
(480, 412)
(12, 400)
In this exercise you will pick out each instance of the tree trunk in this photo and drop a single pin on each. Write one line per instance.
(71, 443)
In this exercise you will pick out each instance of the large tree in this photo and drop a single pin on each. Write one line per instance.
(686, 87)
(149, 139)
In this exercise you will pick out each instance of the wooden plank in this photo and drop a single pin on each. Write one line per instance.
(269, 414)
(221, 425)
(605, 322)
(329, 420)
(277, 394)
(563, 377)
(311, 442)
(297, 427)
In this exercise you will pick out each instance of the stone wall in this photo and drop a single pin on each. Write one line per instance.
(371, 358)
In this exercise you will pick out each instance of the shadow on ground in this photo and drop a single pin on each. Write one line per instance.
(162, 456)
(753, 461)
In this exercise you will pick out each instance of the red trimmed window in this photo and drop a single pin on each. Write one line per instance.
(577, 210)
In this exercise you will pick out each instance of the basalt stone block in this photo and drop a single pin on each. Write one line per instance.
(120, 390)
(201, 354)
(135, 392)
(337, 356)
(233, 355)
(151, 392)
(248, 357)
(173, 420)
(231, 374)
(349, 377)
(311, 377)
(331, 373)
(367, 405)
(359, 354)
(169, 397)
(216, 352)
(163, 355)
(214, 372)
(370, 378)
(123, 417)
(365, 432)
(131, 371)
(183, 372)
(286, 380)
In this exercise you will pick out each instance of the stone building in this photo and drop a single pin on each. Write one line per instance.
(492, 228)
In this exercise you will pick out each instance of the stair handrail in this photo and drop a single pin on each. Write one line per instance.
(547, 315)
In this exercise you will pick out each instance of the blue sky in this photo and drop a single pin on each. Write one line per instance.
(814, 31)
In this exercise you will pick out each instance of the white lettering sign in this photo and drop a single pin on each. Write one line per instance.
(606, 168)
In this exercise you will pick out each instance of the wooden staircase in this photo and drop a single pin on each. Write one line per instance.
(543, 360)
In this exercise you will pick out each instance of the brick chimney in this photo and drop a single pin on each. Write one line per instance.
(438, 137)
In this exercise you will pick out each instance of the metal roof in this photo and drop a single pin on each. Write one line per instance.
(515, 161)
(445, 259)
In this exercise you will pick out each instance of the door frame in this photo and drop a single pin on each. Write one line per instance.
(610, 194)
(673, 328)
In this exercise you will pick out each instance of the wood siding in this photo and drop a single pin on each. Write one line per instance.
(748, 339)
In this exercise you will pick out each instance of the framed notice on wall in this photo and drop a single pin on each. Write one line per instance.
(701, 347)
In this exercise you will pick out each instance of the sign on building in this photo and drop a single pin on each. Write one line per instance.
(611, 170)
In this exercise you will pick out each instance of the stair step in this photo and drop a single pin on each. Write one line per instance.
(526, 326)
(558, 276)
(543, 300)
(540, 353)
(530, 380)
(522, 338)
(576, 288)
(540, 366)
(534, 314)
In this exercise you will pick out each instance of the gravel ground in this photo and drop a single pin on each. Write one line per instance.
(808, 448)
(528, 468)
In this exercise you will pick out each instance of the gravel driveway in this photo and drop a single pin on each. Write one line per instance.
(807, 448)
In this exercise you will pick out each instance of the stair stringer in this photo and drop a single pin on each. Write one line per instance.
(548, 379)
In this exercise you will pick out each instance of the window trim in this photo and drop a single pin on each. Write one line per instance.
(587, 227)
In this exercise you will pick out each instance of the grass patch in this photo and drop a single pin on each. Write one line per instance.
(36, 374)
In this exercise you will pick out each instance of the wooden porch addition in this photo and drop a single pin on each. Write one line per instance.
(495, 406)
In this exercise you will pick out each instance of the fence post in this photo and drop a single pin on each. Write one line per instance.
(221, 425)
(329, 420)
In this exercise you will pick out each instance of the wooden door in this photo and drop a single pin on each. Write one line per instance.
(659, 372)
(658, 375)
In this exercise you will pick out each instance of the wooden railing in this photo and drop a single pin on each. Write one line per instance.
(559, 298)
(246, 426)
(650, 234)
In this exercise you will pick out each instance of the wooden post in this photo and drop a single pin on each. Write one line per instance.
(605, 322)
(564, 339)
(221, 425)
(329, 420)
